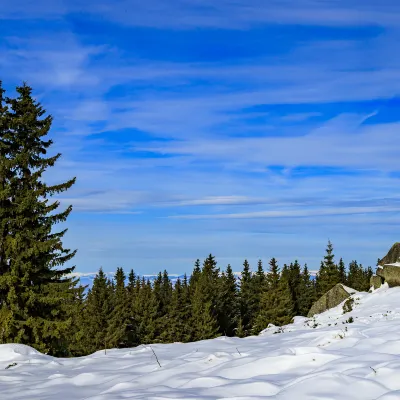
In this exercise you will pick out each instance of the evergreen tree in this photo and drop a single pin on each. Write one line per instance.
(307, 294)
(207, 286)
(259, 284)
(276, 303)
(177, 327)
(131, 280)
(186, 310)
(295, 285)
(228, 303)
(34, 290)
(329, 274)
(204, 321)
(99, 305)
(121, 331)
(342, 272)
(147, 308)
(245, 298)
(194, 278)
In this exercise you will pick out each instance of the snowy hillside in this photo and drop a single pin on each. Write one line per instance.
(313, 359)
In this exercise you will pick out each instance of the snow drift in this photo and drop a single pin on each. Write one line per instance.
(335, 355)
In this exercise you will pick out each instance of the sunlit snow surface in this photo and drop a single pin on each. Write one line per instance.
(311, 360)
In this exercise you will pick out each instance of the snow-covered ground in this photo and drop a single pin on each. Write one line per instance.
(313, 359)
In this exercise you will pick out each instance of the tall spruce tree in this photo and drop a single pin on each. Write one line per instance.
(307, 294)
(276, 302)
(329, 273)
(259, 285)
(245, 298)
(228, 302)
(121, 330)
(99, 306)
(34, 288)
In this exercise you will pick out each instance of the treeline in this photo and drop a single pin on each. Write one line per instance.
(42, 306)
(128, 312)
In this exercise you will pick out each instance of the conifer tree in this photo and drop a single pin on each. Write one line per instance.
(228, 302)
(276, 303)
(131, 280)
(147, 313)
(34, 289)
(245, 298)
(259, 284)
(342, 272)
(99, 305)
(194, 278)
(207, 286)
(176, 329)
(204, 321)
(307, 294)
(121, 331)
(295, 285)
(329, 274)
(186, 310)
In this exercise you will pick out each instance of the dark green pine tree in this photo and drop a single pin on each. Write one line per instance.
(148, 329)
(228, 303)
(342, 272)
(258, 284)
(34, 289)
(276, 302)
(121, 330)
(329, 274)
(163, 292)
(246, 298)
(6, 173)
(177, 326)
(205, 300)
(295, 285)
(131, 281)
(76, 341)
(99, 305)
(186, 310)
(204, 321)
(355, 277)
(194, 278)
(359, 277)
(307, 294)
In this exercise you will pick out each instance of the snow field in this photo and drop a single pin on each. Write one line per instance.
(325, 357)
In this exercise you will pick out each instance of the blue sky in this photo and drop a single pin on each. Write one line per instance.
(243, 128)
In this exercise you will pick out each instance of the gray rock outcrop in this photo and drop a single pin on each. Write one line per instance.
(331, 299)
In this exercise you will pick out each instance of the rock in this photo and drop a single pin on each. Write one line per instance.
(391, 274)
(392, 256)
(376, 281)
(388, 269)
(331, 299)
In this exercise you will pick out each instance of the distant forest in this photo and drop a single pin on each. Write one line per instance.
(42, 306)
(208, 304)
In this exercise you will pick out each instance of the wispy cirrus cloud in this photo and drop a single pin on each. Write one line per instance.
(244, 128)
(241, 14)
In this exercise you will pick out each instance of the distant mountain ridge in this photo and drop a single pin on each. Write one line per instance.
(87, 278)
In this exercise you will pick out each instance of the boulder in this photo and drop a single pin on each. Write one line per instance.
(390, 274)
(388, 270)
(376, 281)
(392, 256)
(331, 299)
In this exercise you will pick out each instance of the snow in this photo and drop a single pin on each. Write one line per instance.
(396, 264)
(312, 359)
(349, 290)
